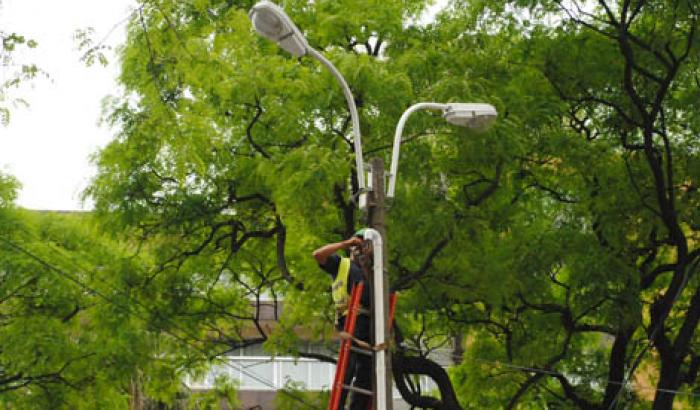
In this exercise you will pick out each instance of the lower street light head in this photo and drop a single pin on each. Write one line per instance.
(271, 22)
(477, 116)
(472, 115)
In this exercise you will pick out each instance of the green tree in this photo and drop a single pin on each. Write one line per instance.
(560, 247)
(221, 115)
(68, 326)
(609, 255)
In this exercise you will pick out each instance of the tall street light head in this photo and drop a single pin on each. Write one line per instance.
(271, 22)
(473, 115)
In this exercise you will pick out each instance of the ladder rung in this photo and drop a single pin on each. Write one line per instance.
(358, 390)
(361, 350)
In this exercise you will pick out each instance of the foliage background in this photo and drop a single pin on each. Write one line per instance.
(558, 249)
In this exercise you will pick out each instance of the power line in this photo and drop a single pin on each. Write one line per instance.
(623, 383)
(636, 362)
(652, 335)
(130, 312)
(265, 382)
(583, 376)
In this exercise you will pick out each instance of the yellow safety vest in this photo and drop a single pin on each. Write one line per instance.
(340, 288)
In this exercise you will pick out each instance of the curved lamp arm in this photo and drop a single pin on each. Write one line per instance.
(397, 140)
(271, 22)
(357, 139)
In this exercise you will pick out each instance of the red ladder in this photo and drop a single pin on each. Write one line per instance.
(346, 346)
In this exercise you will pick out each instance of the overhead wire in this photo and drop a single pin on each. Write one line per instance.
(652, 335)
(179, 338)
(116, 25)
(263, 381)
(103, 296)
(580, 375)
(626, 380)
(128, 311)
(575, 374)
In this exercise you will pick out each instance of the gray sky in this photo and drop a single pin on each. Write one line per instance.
(47, 146)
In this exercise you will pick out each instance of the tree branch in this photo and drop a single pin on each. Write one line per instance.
(249, 129)
(404, 282)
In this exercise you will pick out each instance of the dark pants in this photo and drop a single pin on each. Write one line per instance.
(359, 371)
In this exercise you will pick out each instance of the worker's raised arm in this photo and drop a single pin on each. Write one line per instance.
(322, 253)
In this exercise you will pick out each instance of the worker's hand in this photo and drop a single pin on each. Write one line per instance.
(354, 241)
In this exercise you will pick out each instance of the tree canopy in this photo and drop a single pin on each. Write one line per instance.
(560, 245)
(558, 250)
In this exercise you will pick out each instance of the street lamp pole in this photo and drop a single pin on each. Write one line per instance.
(473, 115)
(270, 21)
(383, 396)
(355, 118)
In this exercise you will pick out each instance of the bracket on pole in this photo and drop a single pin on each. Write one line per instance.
(362, 196)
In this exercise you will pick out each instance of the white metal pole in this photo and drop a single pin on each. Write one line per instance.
(353, 115)
(397, 140)
(379, 319)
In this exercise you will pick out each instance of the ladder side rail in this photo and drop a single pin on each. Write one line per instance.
(341, 365)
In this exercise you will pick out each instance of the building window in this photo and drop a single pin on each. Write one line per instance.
(256, 374)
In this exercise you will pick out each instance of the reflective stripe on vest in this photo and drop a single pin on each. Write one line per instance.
(340, 287)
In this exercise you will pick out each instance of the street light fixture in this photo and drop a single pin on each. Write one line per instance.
(473, 115)
(271, 22)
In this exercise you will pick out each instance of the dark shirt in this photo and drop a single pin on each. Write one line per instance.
(354, 276)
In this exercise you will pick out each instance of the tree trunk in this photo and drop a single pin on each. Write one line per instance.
(668, 382)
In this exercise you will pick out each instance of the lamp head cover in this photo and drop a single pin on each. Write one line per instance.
(473, 115)
(271, 22)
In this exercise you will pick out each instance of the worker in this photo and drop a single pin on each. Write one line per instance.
(346, 273)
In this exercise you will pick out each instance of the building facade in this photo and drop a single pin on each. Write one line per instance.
(260, 376)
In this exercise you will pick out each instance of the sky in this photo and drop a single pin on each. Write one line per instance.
(47, 146)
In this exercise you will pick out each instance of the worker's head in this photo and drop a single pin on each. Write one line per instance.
(360, 233)
(357, 253)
